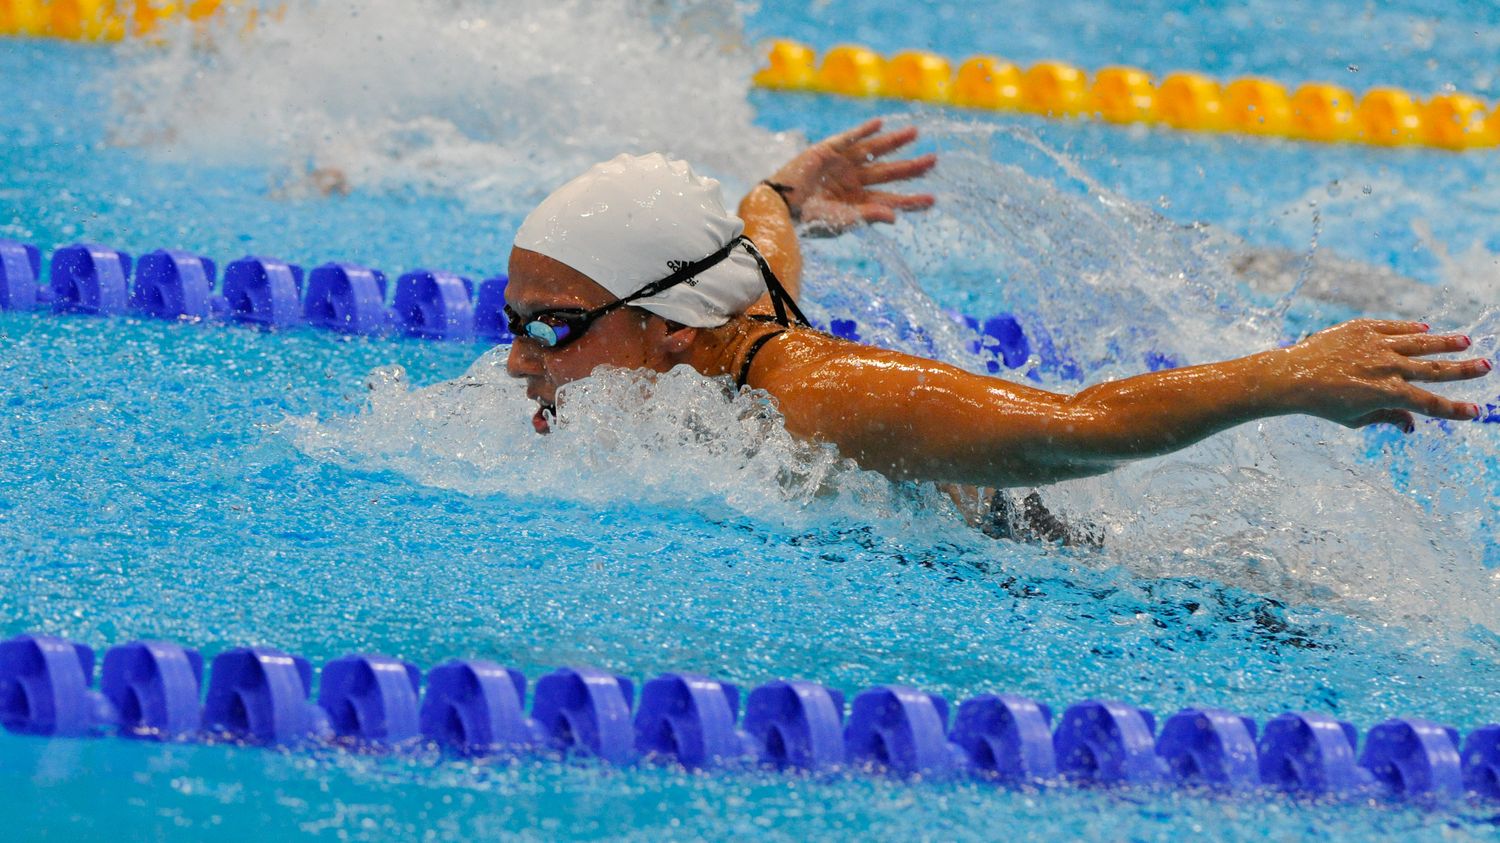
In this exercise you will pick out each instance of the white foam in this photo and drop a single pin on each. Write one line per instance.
(674, 439)
(497, 106)
(1294, 507)
(492, 104)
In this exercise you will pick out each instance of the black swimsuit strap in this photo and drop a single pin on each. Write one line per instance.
(780, 298)
(755, 346)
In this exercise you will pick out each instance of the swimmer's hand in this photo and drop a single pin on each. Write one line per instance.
(1364, 372)
(829, 181)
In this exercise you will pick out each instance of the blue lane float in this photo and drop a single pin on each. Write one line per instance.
(1211, 747)
(45, 688)
(1007, 737)
(1307, 751)
(490, 324)
(1414, 759)
(262, 696)
(270, 293)
(903, 731)
(174, 285)
(478, 708)
(1100, 742)
(1481, 762)
(348, 298)
(256, 290)
(587, 710)
(154, 687)
(691, 720)
(797, 725)
(92, 279)
(371, 698)
(435, 305)
(263, 291)
(20, 270)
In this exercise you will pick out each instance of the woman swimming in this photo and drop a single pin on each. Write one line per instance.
(637, 264)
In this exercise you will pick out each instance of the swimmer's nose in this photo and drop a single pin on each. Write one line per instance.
(523, 360)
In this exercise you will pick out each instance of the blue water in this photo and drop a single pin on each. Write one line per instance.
(221, 487)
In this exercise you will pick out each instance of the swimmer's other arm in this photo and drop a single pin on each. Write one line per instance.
(914, 418)
(831, 187)
(769, 224)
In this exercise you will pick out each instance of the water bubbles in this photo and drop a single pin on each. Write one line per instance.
(675, 439)
(1286, 507)
(580, 81)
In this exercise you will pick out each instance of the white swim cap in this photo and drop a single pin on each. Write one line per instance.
(637, 219)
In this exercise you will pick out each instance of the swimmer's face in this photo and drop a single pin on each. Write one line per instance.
(629, 338)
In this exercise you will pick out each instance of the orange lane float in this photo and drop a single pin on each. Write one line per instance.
(1316, 111)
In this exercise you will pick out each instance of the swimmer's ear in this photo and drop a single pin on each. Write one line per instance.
(677, 338)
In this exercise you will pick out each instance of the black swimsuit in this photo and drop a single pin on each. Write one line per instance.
(1030, 521)
(755, 346)
(788, 314)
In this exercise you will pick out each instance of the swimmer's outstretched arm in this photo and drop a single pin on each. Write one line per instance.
(914, 418)
(827, 188)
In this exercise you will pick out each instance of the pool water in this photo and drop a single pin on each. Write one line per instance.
(221, 487)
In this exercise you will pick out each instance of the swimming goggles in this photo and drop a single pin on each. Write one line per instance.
(556, 327)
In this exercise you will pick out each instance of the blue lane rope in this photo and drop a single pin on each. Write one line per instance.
(349, 298)
(153, 690)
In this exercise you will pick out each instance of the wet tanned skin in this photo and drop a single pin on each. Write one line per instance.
(910, 417)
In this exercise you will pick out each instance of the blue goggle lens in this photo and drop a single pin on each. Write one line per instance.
(546, 334)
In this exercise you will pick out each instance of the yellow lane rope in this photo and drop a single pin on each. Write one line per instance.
(97, 20)
(1316, 111)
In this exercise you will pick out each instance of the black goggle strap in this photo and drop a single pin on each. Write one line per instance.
(780, 298)
(683, 273)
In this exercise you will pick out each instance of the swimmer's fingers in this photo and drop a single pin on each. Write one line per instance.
(1399, 419)
(882, 172)
(1430, 404)
(1444, 371)
(902, 201)
(882, 145)
(1416, 345)
(822, 218)
(844, 140)
(1394, 326)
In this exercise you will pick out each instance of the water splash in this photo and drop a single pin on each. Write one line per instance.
(675, 439)
(496, 112)
(453, 97)
(1292, 507)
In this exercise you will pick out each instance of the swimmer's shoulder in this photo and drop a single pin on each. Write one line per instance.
(779, 357)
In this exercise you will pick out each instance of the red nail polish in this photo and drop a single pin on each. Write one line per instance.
(1487, 365)
(1467, 342)
(1474, 411)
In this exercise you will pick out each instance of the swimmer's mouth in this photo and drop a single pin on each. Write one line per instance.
(544, 416)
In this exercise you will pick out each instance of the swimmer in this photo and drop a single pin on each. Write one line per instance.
(638, 264)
